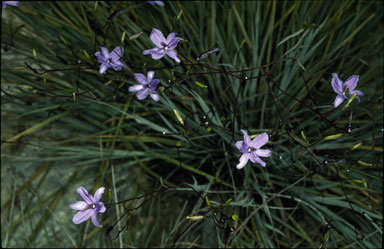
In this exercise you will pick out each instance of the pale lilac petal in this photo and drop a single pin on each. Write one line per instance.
(85, 196)
(339, 99)
(150, 75)
(243, 160)
(117, 53)
(142, 94)
(82, 216)
(136, 88)
(98, 194)
(100, 57)
(170, 37)
(247, 139)
(13, 3)
(358, 93)
(156, 55)
(263, 153)
(161, 3)
(259, 141)
(172, 45)
(337, 84)
(351, 82)
(101, 208)
(140, 78)
(105, 52)
(103, 68)
(173, 55)
(94, 218)
(239, 144)
(155, 96)
(261, 162)
(157, 37)
(152, 50)
(79, 205)
(153, 85)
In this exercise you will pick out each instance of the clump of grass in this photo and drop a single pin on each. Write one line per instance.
(66, 126)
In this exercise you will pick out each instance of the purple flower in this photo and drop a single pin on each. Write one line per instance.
(339, 87)
(146, 86)
(163, 46)
(110, 60)
(161, 3)
(251, 149)
(13, 3)
(90, 207)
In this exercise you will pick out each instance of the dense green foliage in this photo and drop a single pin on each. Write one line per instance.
(64, 125)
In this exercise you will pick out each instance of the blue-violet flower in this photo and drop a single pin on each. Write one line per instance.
(251, 149)
(110, 60)
(161, 3)
(340, 88)
(163, 46)
(147, 85)
(13, 3)
(89, 207)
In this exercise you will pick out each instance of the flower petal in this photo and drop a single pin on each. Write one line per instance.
(261, 162)
(79, 205)
(263, 153)
(103, 68)
(85, 196)
(260, 140)
(239, 144)
(100, 57)
(152, 50)
(105, 52)
(94, 218)
(156, 55)
(339, 99)
(173, 55)
(351, 82)
(141, 78)
(172, 45)
(157, 38)
(136, 88)
(247, 139)
(358, 93)
(150, 75)
(153, 85)
(170, 37)
(142, 94)
(155, 96)
(82, 216)
(117, 53)
(100, 207)
(243, 160)
(98, 194)
(337, 84)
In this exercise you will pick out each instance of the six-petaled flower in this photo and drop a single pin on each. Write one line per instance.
(89, 207)
(13, 3)
(340, 88)
(251, 149)
(163, 46)
(147, 85)
(110, 60)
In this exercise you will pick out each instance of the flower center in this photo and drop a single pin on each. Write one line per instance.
(109, 61)
(250, 149)
(90, 206)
